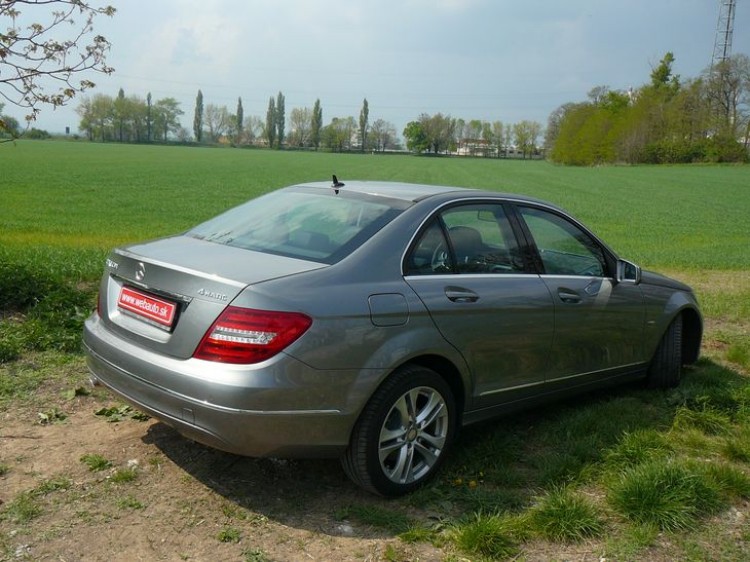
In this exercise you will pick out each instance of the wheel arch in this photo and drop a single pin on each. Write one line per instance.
(450, 374)
(692, 334)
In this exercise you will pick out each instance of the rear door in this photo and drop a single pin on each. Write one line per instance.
(467, 269)
(599, 324)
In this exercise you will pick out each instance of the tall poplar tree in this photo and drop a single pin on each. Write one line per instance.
(316, 124)
(271, 122)
(364, 117)
(149, 118)
(120, 111)
(240, 117)
(198, 118)
(280, 120)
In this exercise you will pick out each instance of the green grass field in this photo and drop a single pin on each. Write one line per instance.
(592, 471)
(93, 196)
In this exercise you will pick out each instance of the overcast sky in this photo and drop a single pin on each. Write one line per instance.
(475, 59)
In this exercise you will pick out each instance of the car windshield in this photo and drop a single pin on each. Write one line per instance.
(308, 224)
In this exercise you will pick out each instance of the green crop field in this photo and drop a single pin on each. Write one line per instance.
(80, 196)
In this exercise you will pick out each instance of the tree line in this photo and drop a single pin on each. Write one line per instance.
(668, 120)
(134, 119)
(441, 134)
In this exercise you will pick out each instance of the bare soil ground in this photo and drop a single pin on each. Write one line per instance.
(186, 502)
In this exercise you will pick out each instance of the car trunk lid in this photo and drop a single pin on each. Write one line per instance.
(166, 294)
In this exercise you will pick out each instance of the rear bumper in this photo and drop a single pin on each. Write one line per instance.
(208, 407)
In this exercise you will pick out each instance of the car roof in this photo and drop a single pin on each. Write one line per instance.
(414, 192)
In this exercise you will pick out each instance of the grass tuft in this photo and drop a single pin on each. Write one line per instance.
(129, 502)
(229, 534)
(124, 475)
(670, 494)
(637, 447)
(565, 516)
(709, 420)
(494, 536)
(95, 462)
(22, 509)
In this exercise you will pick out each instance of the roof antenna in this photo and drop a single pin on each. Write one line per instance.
(336, 184)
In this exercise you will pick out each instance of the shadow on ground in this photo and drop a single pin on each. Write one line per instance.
(510, 460)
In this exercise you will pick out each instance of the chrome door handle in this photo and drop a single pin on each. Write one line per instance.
(461, 295)
(569, 297)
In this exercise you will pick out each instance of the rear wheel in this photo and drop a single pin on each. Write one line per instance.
(666, 366)
(402, 436)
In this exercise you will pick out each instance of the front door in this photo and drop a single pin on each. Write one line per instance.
(599, 324)
(467, 270)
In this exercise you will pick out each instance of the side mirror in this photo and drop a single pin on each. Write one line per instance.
(628, 272)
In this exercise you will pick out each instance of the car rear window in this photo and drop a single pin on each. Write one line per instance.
(309, 224)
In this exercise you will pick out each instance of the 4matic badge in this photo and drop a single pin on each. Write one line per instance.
(212, 295)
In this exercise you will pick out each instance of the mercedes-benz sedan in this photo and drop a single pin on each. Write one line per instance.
(370, 321)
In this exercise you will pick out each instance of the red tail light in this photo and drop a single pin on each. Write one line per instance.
(244, 335)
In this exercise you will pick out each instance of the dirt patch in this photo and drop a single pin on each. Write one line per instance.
(185, 502)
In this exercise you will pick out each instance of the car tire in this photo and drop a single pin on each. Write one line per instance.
(665, 370)
(403, 433)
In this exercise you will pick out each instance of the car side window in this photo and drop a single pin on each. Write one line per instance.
(564, 248)
(466, 239)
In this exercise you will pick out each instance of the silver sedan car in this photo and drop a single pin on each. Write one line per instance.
(370, 321)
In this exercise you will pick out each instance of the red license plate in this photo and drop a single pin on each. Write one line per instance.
(147, 306)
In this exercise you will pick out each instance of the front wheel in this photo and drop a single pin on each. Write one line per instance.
(402, 436)
(665, 370)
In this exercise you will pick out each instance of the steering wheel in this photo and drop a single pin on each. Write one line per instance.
(440, 258)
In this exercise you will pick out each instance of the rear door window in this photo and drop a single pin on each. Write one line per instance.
(473, 238)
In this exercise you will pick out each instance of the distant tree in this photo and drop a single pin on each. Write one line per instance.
(300, 124)
(487, 138)
(280, 120)
(498, 131)
(252, 128)
(382, 135)
(121, 113)
(198, 117)
(217, 121)
(508, 140)
(459, 132)
(338, 134)
(554, 122)
(183, 135)
(597, 94)
(8, 125)
(101, 117)
(727, 87)
(364, 116)
(37, 134)
(416, 137)
(167, 112)
(474, 129)
(239, 121)
(662, 78)
(50, 49)
(270, 131)
(439, 131)
(316, 124)
(149, 118)
(526, 134)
